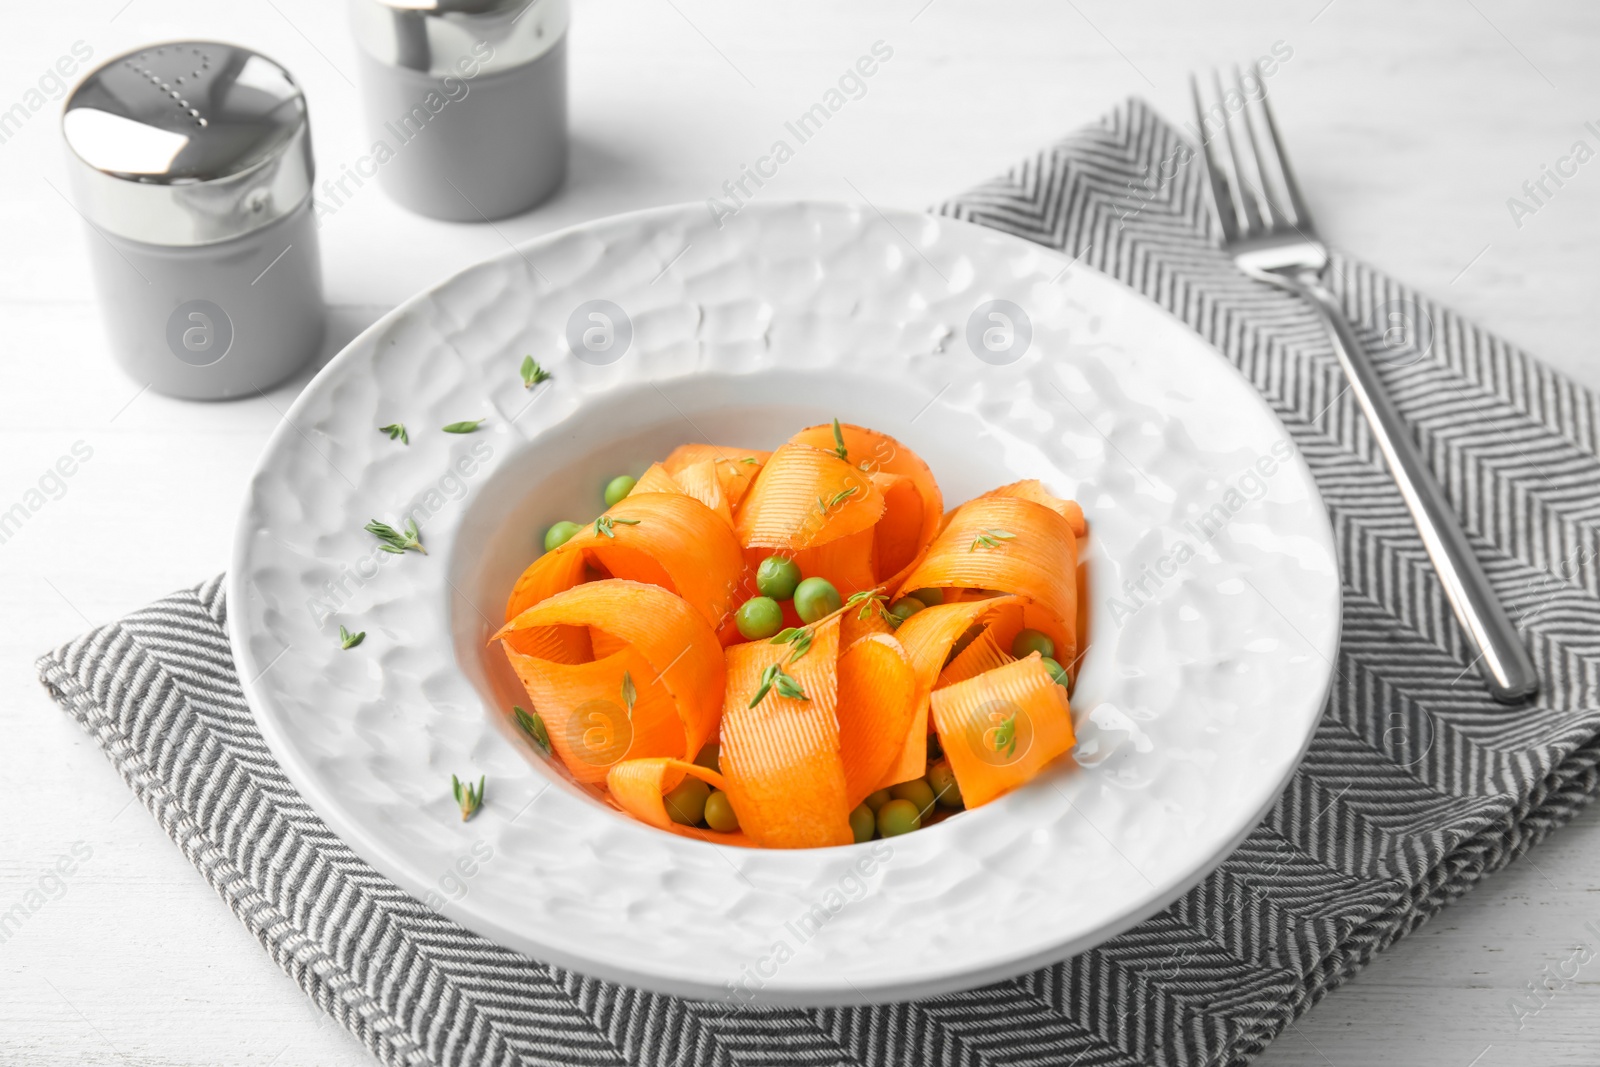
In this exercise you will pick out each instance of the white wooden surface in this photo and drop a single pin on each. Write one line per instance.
(1411, 125)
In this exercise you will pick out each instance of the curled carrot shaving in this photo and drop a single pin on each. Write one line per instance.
(677, 645)
(884, 455)
(897, 538)
(655, 479)
(639, 786)
(667, 539)
(701, 481)
(736, 467)
(846, 562)
(805, 497)
(877, 701)
(1000, 728)
(983, 654)
(1008, 545)
(1033, 489)
(551, 573)
(780, 750)
(927, 638)
(591, 722)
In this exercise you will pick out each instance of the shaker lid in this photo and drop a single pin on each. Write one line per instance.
(463, 38)
(188, 143)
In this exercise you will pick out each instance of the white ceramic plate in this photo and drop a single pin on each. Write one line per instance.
(1214, 589)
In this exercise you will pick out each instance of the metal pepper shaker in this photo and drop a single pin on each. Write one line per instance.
(466, 102)
(191, 162)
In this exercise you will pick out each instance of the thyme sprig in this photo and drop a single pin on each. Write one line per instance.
(532, 373)
(774, 677)
(604, 523)
(871, 599)
(470, 799)
(989, 538)
(396, 432)
(630, 693)
(838, 498)
(1005, 736)
(395, 541)
(798, 636)
(533, 726)
(348, 640)
(838, 442)
(464, 426)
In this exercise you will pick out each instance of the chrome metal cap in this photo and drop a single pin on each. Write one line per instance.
(188, 143)
(463, 38)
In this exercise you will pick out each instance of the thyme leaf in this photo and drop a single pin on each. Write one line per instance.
(395, 541)
(469, 799)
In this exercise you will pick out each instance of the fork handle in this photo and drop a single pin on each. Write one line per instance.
(1502, 659)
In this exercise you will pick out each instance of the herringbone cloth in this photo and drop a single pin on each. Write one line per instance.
(1416, 785)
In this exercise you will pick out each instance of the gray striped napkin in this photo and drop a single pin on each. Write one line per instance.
(1415, 787)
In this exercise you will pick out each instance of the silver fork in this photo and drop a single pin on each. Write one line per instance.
(1267, 230)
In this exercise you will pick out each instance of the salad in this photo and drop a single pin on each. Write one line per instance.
(801, 648)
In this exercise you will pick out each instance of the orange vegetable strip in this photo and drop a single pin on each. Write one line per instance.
(896, 539)
(589, 723)
(846, 562)
(604, 644)
(638, 785)
(1038, 560)
(1000, 728)
(984, 654)
(877, 701)
(674, 639)
(656, 479)
(558, 644)
(781, 758)
(806, 497)
(733, 467)
(548, 575)
(927, 637)
(701, 481)
(1033, 489)
(883, 454)
(679, 544)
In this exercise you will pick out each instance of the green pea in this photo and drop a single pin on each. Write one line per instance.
(559, 534)
(687, 803)
(943, 781)
(906, 608)
(918, 791)
(777, 577)
(719, 813)
(1028, 642)
(1057, 672)
(862, 823)
(929, 597)
(898, 817)
(758, 618)
(619, 487)
(815, 598)
(878, 799)
(710, 757)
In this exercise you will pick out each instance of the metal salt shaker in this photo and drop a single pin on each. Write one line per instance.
(191, 162)
(466, 102)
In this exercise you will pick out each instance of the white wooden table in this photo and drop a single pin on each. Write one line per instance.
(1411, 126)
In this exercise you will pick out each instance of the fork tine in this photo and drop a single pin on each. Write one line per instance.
(1243, 203)
(1254, 183)
(1220, 201)
(1302, 217)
